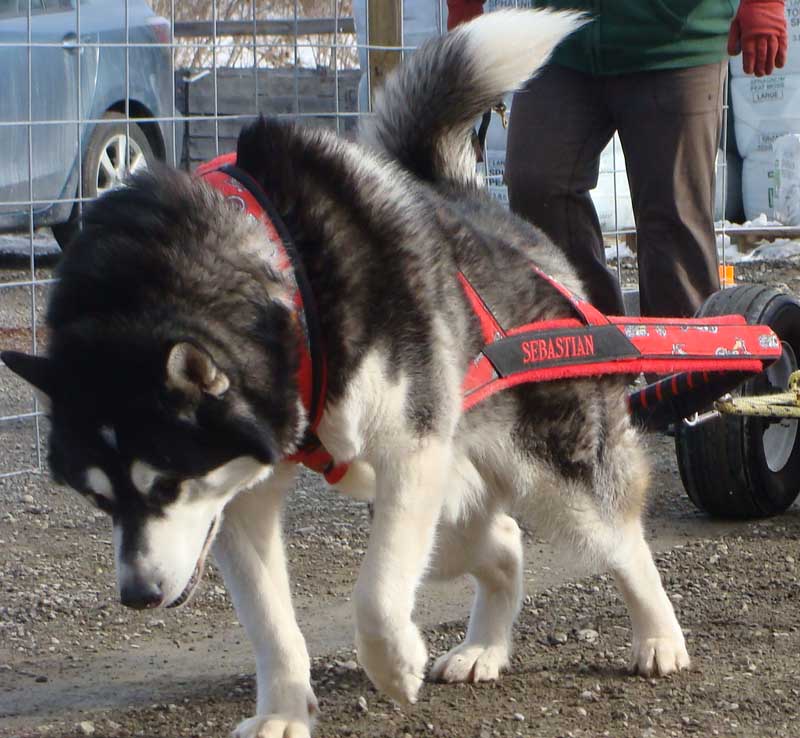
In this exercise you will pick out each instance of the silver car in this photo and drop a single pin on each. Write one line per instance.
(86, 94)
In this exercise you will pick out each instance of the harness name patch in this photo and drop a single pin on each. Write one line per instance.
(539, 349)
(559, 347)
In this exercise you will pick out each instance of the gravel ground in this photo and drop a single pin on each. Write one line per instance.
(73, 662)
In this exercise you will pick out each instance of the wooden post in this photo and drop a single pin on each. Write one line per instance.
(384, 29)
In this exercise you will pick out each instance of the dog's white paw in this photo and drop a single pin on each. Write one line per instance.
(272, 726)
(396, 664)
(660, 656)
(294, 720)
(470, 663)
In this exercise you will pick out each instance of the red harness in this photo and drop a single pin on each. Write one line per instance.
(591, 344)
(594, 344)
(239, 189)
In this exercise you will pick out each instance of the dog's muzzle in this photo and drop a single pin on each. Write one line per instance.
(199, 568)
(141, 595)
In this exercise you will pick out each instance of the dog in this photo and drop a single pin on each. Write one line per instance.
(172, 382)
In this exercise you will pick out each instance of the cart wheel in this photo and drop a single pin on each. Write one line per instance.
(747, 467)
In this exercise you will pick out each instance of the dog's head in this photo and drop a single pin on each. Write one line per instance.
(169, 378)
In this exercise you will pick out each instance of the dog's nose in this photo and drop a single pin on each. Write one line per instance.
(141, 595)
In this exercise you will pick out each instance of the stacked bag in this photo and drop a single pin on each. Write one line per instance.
(787, 179)
(766, 109)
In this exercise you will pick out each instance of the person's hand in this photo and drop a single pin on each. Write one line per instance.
(759, 32)
(461, 11)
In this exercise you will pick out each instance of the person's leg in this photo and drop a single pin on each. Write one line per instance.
(669, 124)
(559, 127)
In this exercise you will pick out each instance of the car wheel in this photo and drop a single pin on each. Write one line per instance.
(115, 149)
(747, 467)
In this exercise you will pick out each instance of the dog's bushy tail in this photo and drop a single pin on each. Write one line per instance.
(424, 113)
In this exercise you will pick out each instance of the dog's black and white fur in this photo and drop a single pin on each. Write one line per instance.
(171, 382)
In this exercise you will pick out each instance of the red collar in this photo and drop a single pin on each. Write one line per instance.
(240, 189)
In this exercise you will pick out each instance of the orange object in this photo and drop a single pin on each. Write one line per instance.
(726, 275)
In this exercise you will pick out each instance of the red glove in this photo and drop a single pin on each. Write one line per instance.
(759, 32)
(461, 11)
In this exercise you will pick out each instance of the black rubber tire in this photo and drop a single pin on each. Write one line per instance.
(101, 135)
(723, 464)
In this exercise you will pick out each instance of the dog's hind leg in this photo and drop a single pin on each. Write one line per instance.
(489, 548)
(658, 642)
(249, 551)
(601, 524)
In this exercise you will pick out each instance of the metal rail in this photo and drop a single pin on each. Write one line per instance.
(275, 27)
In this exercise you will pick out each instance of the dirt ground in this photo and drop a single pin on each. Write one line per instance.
(73, 662)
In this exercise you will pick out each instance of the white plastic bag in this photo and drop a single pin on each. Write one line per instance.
(764, 108)
(787, 179)
(758, 184)
(612, 196)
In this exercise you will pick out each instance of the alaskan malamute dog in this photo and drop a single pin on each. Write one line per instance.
(172, 382)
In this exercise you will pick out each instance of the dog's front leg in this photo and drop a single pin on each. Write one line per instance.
(249, 551)
(407, 506)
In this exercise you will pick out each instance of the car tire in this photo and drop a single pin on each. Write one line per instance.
(104, 164)
(747, 467)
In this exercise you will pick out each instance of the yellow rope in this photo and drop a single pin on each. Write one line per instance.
(780, 405)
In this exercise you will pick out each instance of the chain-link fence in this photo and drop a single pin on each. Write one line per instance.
(92, 89)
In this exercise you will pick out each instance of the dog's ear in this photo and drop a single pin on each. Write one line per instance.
(36, 370)
(191, 370)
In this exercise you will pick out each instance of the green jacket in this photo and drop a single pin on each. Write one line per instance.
(641, 35)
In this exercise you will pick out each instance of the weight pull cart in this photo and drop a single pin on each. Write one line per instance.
(739, 457)
(737, 434)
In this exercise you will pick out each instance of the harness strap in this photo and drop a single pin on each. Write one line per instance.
(596, 345)
(317, 458)
(238, 186)
(490, 328)
(308, 306)
(588, 312)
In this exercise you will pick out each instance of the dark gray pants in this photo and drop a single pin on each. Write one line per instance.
(669, 125)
